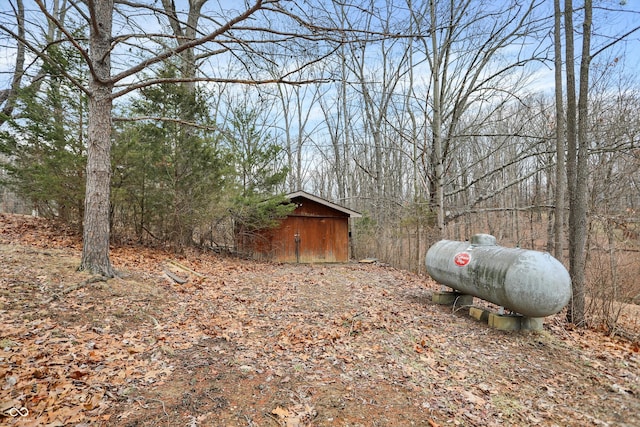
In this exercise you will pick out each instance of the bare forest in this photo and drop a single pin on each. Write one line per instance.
(171, 124)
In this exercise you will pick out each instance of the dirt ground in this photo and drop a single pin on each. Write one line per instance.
(241, 343)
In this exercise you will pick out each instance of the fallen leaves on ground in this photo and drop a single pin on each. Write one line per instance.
(234, 342)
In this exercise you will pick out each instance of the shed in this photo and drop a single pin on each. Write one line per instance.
(316, 231)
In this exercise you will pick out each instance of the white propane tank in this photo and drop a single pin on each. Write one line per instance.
(527, 282)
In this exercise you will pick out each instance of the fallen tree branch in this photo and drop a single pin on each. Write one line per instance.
(175, 277)
(82, 284)
(185, 268)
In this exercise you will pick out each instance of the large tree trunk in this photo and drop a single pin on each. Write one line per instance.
(95, 250)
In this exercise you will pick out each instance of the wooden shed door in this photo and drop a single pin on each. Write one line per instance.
(320, 239)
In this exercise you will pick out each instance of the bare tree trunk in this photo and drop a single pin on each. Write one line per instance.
(346, 128)
(8, 96)
(577, 155)
(550, 170)
(436, 126)
(414, 154)
(95, 251)
(572, 111)
(185, 34)
(558, 235)
(580, 198)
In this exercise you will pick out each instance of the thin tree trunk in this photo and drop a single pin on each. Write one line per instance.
(571, 142)
(558, 236)
(579, 229)
(436, 127)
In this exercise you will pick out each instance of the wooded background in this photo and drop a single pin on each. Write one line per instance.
(170, 123)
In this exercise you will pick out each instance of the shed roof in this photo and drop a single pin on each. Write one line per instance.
(352, 214)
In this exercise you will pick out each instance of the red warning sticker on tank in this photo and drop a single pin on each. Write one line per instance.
(462, 259)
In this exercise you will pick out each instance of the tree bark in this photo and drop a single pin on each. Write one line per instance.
(571, 115)
(437, 193)
(558, 233)
(577, 156)
(580, 199)
(95, 250)
(8, 96)
(185, 34)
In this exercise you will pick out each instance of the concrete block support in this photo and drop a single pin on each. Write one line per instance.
(452, 298)
(479, 314)
(514, 322)
(504, 322)
(531, 323)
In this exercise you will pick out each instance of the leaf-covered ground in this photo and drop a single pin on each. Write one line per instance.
(255, 344)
